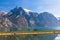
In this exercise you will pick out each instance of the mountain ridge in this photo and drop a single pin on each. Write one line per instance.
(19, 18)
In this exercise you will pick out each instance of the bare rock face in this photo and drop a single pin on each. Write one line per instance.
(2, 20)
(5, 23)
(22, 22)
(16, 17)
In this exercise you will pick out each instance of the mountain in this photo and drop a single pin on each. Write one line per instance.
(47, 19)
(5, 23)
(25, 19)
(17, 17)
(2, 18)
(22, 17)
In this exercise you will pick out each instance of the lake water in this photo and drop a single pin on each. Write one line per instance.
(57, 37)
(49, 28)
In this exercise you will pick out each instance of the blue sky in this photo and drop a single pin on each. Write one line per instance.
(52, 6)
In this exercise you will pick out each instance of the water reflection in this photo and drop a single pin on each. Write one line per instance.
(58, 37)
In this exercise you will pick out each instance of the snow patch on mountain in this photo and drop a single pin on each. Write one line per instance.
(27, 11)
(3, 12)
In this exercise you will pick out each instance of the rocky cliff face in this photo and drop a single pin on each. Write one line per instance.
(5, 23)
(47, 19)
(16, 16)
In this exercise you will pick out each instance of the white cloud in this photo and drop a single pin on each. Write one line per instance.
(52, 6)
